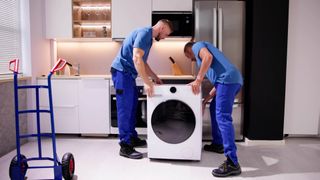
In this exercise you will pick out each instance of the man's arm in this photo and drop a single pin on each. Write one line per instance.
(152, 74)
(212, 93)
(141, 69)
(206, 58)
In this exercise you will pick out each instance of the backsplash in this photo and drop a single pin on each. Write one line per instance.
(96, 57)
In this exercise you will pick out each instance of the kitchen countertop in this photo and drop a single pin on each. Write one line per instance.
(109, 77)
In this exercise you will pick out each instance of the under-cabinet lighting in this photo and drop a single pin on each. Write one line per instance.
(108, 26)
(95, 7)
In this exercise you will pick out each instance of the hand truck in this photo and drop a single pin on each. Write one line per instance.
(19, 164)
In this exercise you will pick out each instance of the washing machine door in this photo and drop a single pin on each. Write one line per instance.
(173, 121)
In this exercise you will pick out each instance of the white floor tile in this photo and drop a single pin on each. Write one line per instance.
(98, 159)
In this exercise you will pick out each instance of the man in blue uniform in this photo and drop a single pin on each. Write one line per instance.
(130, 62)
(227, 81)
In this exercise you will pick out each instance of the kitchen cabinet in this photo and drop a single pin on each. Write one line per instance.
(91, 18)
(128, 15)
(58, 19)
(172, 5)
(264, 94)
(65, 106)
(302, 100)
(80, 105)
(94, 108)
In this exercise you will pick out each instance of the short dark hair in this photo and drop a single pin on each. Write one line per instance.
(188, 45)
(168, 23)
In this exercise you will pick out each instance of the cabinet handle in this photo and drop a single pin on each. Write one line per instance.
(214, 27)
(220, 15)
(139, 99)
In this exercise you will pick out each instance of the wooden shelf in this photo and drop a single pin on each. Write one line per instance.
(93, 22)
(91, 19)
(91, 3)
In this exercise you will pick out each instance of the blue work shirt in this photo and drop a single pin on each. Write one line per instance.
(221, 70)
(139, 38)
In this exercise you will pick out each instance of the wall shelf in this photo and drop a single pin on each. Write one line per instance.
(91, 18)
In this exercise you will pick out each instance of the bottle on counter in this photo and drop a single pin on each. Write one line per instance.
(67, 71)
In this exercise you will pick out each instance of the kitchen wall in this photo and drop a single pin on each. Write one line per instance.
(40, 47)
(302, 110)
(39, 51)
(36, 61)
(96, 57)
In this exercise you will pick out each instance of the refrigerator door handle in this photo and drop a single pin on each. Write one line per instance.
(214, 40)
(197, 20)
(220, 27)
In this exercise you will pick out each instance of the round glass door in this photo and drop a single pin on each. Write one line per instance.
(173, 121)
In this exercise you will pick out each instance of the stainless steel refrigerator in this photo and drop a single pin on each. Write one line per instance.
(223, 24)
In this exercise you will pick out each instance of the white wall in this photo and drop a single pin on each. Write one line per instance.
(96, 57)
(302, 104)
(40, 47)
(39, 52)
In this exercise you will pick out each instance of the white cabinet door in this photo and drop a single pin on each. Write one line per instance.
(94, 106)
(58, 16)
(65, 106)
(128, 15)
(171, 5)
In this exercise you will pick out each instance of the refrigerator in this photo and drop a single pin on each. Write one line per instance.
(222, 23)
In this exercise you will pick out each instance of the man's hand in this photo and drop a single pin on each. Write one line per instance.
(195, 85)
(212, 93)
(157, 80)
(203, 107)
(148, 87)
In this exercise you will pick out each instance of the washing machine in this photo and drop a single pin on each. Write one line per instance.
(174, 123)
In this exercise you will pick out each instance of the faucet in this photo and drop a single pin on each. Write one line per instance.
(78, 70)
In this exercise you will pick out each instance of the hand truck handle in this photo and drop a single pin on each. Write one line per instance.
(60, 64)
(15, 63)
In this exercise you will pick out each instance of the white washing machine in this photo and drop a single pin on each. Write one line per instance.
(174, 123)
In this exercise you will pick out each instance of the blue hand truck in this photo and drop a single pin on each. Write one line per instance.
(19, 163)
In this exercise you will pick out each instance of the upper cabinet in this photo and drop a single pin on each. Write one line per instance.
(172, 5)
(103, 18)
(128, 15)
(91, 18)
(58, 18)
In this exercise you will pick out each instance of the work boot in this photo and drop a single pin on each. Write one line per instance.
(128, 151)
(227, 168)
(137, 142)
(217, 148)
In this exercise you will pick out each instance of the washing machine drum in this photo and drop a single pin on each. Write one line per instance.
(173, 121)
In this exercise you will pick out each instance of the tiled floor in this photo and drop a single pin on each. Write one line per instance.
(98, 159)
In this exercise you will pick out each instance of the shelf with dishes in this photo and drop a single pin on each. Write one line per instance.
(91, 18)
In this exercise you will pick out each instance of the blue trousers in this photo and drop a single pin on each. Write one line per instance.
(221, 119)
(127, 100)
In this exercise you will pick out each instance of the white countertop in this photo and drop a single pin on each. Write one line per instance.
(109, 77)
(176, 77)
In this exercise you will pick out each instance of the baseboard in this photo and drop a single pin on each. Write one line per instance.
(249, 142)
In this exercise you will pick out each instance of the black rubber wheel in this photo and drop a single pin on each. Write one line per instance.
(68, 166)
(23, 166)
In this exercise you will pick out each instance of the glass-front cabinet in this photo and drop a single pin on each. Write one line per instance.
(91, 18)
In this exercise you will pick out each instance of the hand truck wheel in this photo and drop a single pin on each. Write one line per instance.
(14, 166)
(68, 166)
